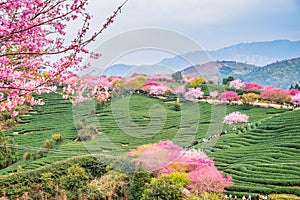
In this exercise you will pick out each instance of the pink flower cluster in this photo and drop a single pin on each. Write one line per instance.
(237, 84)
(235, 117)
(229, 96)
(165, 157)
(31, 32)
(159, 89)
(179, 90)
(294, 92)
(250, 87)
(296, 99)
(161, 77)
(275, 94)
(194, 93)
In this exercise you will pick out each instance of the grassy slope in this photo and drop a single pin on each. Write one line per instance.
(270, 142)
(265, 159)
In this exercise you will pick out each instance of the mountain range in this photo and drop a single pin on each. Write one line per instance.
(256, 53)
(281, 74)
(269, 63)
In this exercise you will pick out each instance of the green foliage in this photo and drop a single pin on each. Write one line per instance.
(267, 142)
(79, 125)
(206, 196)
(47, 181)
(227, 80)
(138, 182)
(74, 181)
(10, 123)
(167, 187)
(280, 74)
(111, 185)
(94, 192)
(8, 154)
(177, 76)
(17, 183)
(58, 138)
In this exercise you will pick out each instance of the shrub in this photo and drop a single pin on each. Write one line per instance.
(177, 106)
(10, 123)
(26, 156)
(74, 181)
(168, 187)
(48, 144)
(58, 138)
(138, 182)
(79, 125)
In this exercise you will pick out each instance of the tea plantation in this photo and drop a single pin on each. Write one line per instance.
(263, 157)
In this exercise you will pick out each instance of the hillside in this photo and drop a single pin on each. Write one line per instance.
(280, 74)
(256, 53)
(223, 69)
(259, 53)
(263, 158)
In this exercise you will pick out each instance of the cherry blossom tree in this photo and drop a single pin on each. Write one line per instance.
(296, 99)
(237, 84)
(229, 96)
(251, 87)
(159, 89)
(161, 77)
(275, 94)
(165, 157)
(235, 117)
(33, 38)
(207, 178)
(188, 79)
(148, 84)
(194, 93)
(179, 90)
(294, 92)
(214, 94)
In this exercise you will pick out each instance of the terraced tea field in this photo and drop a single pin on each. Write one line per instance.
(262, 159)
(265, 159)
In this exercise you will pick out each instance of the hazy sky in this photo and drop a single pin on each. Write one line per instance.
(213, 24)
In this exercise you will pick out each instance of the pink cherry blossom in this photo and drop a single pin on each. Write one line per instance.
(235, 117)
(165, 157)
(237, 84)
(194, 93)
(159, 89)
(14, 114)
(179, 89)
(214, 94)
(275, 94)
(296, 99)
(35, 55)
(294, 92)
(161, 77)
(250, 87)
(229, 96)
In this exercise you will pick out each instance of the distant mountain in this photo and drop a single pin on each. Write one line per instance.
(221, 69)
(246, 56)
(259, 53)
(256, 53)
(118, 70)
(127, 70)
(279, 74)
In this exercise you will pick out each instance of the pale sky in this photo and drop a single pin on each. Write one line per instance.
(213, 24)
